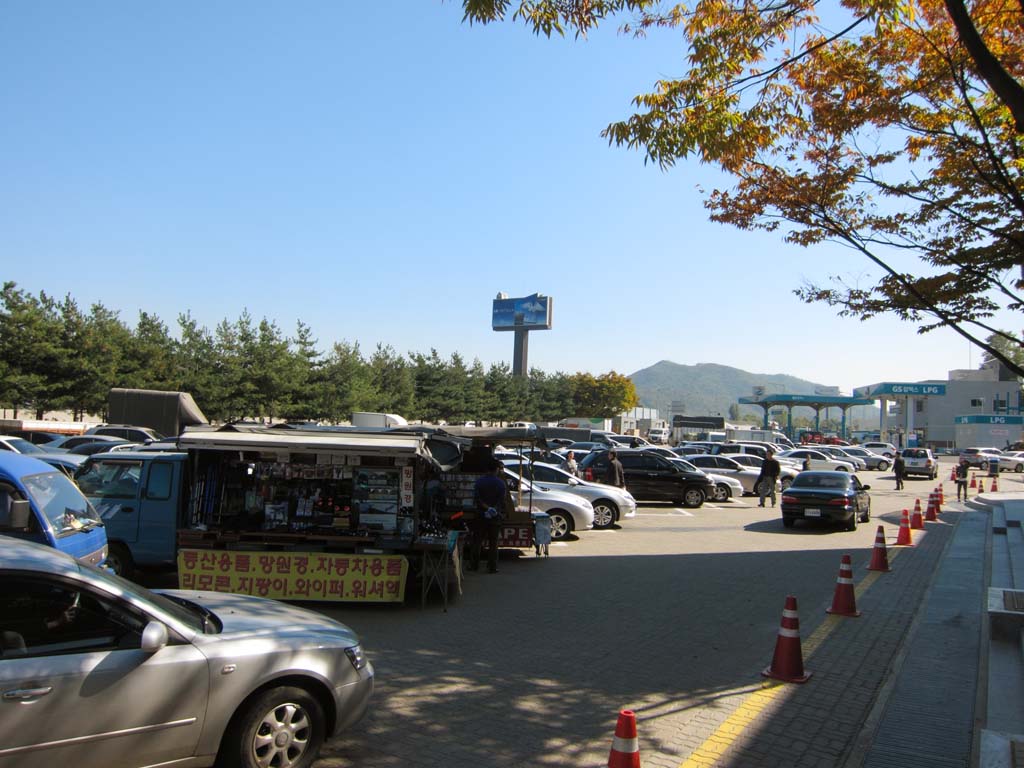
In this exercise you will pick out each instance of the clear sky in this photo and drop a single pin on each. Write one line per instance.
(380, 170)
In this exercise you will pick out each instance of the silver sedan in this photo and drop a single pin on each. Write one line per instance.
(98, 672)
(611, 504)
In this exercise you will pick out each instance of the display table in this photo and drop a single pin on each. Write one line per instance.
(439, 560)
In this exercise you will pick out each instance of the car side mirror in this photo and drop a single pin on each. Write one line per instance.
(154, 637)
(865, 487)
(17, 516)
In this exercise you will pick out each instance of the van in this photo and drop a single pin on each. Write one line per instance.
(40, 503)
(658, 435)
(141, 498)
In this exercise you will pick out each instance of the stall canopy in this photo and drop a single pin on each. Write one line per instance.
(166, 412)
(443, 451)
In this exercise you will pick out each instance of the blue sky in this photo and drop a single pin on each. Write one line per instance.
(380, 171)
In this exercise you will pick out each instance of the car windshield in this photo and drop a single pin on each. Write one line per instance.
(819, 480)
(23, 446)
(915, 453)
(61, 502)
(186, 612)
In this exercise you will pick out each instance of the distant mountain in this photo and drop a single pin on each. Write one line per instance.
(708, 389)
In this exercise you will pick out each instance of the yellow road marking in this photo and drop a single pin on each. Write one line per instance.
(751, 706)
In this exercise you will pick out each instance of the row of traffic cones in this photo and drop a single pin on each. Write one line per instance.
(979, 484)
(788, 661)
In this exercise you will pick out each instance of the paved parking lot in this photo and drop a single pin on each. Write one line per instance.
(673, 615)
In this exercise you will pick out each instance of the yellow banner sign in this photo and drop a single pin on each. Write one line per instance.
(295, 575)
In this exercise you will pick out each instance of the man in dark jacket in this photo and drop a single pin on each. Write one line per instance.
(615, 475)
(770, 471)
(899, 468)
(489, 492)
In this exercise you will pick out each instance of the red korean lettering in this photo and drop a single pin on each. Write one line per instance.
(242, 564)
(266, 563)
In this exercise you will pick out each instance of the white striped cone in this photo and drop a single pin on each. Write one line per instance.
(788, 661)
(625, 752)
(844, 602)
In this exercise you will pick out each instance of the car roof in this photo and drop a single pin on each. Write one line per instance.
(21, 465)
(21, 555)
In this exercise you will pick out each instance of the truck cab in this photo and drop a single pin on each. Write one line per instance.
(141, 500)
(40, 503)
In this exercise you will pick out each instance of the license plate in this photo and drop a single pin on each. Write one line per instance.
(812, 513)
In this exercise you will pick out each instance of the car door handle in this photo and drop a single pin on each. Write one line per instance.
(127, 509)
(26, 694)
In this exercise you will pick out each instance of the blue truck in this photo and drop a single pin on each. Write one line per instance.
(141, 497)
(40, 503)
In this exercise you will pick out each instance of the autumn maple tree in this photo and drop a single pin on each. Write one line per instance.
(893, 127)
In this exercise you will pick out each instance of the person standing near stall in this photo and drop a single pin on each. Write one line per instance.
(615, 474)
(570, 464)
(489, 493)
(961, 480)
(899, 468)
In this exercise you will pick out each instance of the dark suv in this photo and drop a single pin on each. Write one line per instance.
(652, 477)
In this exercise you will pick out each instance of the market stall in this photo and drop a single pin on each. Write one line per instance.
(316, 513)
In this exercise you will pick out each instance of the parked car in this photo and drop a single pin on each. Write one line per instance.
(659, 435)
(650, 477)
(1012, 461)
(836, 496)
(35, 437)
(726, 486)
(885, 449)
(104, 672)
(979, 457)
(610, 504)
(19, 445)
(97, 446)
(568, 513)
(127, 432)
(871, 459)
(819, 460)
(65, 462)
(628, 441)
(74, 441)
(840, 453)
(920, 461)
(746, 475)
(689, 450)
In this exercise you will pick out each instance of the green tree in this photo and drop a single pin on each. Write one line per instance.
(348, 384)
(306, 391)
(197, 364)
(898, 135)
(30, 351)
(393, 381)
(149, 357)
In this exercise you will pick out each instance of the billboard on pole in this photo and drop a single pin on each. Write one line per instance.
(529, 313)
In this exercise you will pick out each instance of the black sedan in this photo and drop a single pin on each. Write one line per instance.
(836, 496)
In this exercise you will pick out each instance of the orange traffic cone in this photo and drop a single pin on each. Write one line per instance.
(974, 480)
(952, 475)
(981, 485)
(940, 498)
(788, 661)
(625, 751)
(916, 520)
(879, 557)
(995, 484)
(903, 537)
(844, 602)
(933, 506)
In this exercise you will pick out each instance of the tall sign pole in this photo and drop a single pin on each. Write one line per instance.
(522, 315)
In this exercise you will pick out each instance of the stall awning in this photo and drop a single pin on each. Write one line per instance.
(442, 453)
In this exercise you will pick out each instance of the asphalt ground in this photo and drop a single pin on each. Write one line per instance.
(673, 615)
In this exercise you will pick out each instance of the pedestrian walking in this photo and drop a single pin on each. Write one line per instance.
(490, 494)
(899, 468)
(769, 477)
(961, 480)
(614, 474)
(570, 464)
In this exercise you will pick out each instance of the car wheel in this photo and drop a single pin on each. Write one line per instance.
(882, 466)
(282, 726)
(851, 524)
(788, 522)
(1019, 468)
(721, 493)
(786, 482)
(866, 517)
(693, 497)
(605, 513)
(561, 524)
(119, 560)
(842, 469)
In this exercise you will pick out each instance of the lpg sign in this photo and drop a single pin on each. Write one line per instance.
(891, 389)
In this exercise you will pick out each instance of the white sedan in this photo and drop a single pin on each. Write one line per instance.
(818, 459)
(747, 475)
(611, 504)
(1012, 461)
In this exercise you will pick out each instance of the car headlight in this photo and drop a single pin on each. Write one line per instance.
(355, 655)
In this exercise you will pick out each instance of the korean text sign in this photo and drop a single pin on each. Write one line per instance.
(295, 575)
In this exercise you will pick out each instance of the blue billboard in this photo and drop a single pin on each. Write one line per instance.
(529, 313)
